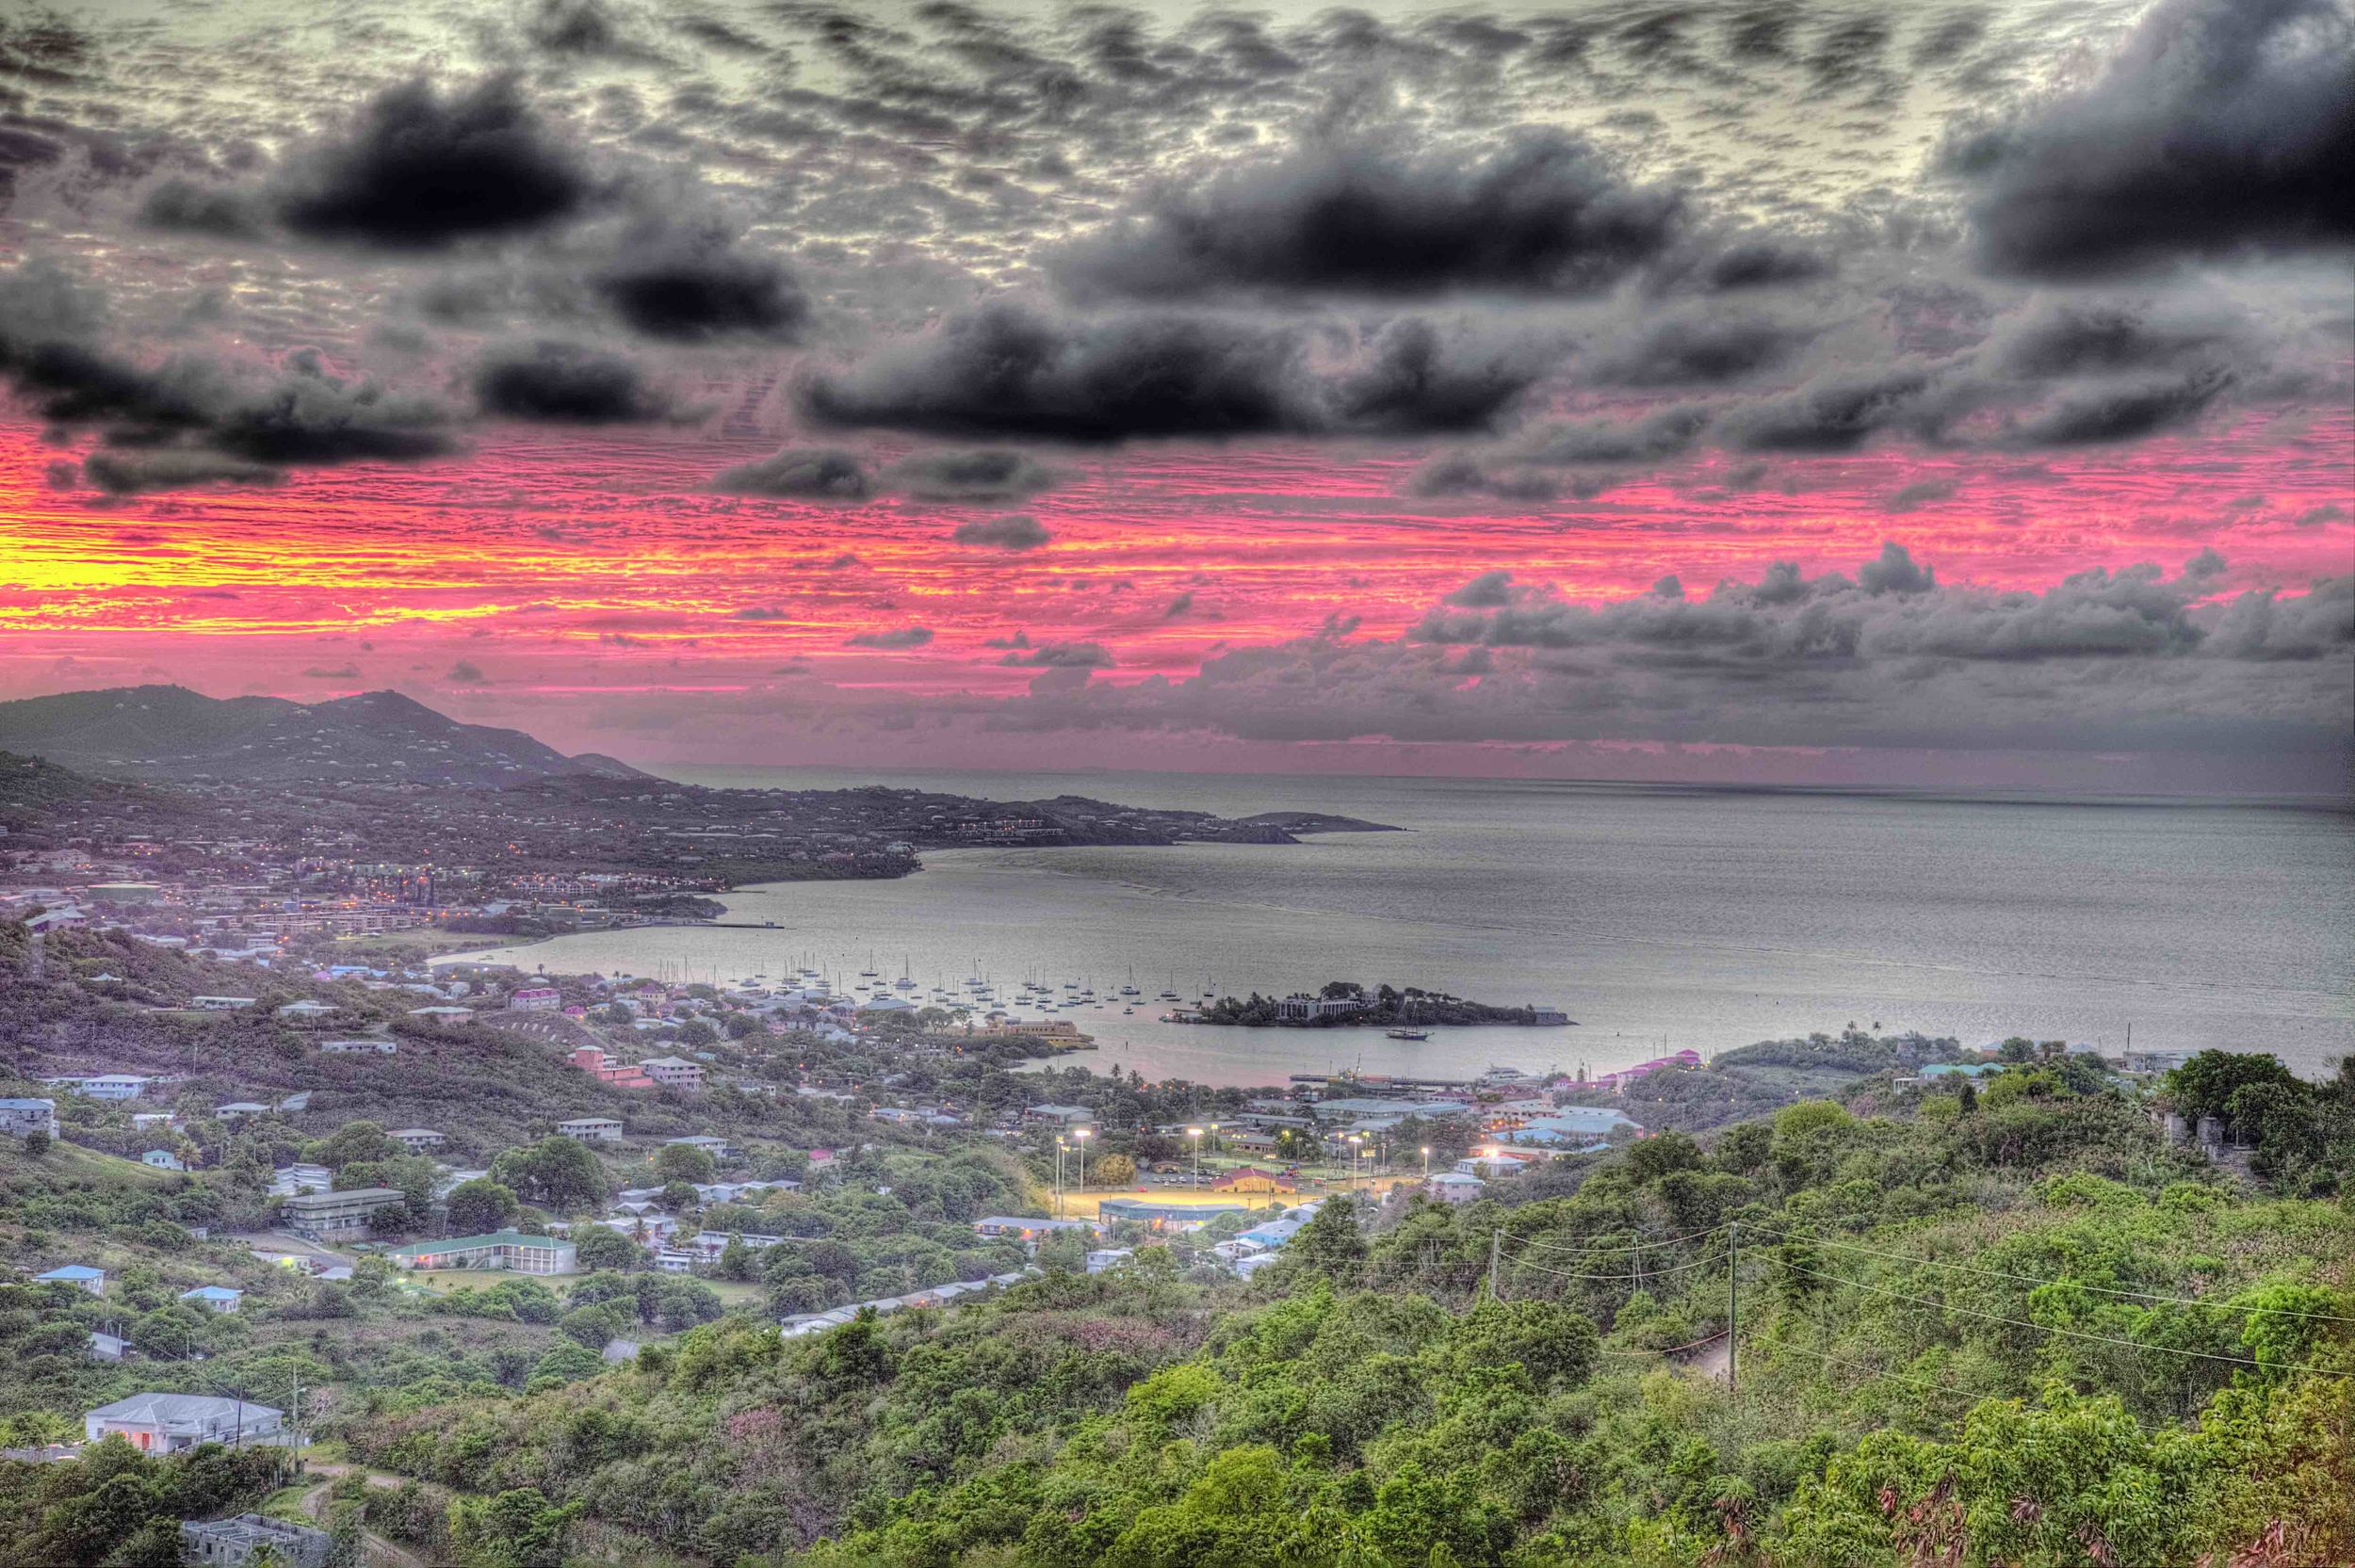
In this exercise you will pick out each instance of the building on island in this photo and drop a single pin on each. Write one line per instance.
(524, 1254)
(337, 1216)
(168, 1423)
(673, 1073)
(1301, 1007)
(234, 1543)
(592, 1129)
(21, 1116)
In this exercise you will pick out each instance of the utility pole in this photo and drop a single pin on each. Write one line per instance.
(1733, 1304)
(1496, 1254)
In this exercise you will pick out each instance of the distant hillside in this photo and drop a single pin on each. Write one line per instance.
(169, 732)
(31, 789)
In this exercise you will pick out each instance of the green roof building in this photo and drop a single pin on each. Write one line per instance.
(526, 1254)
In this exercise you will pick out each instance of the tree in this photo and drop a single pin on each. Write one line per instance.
(684, 1163)
(603, 1247)
(698, 1034)
(517, 1528)
(1114, 1170)
(37, 1144)
(481, 1205)
(353, 1142)
(556, 1173)
(736, 1260)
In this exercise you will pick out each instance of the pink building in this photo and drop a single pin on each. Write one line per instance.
(601, 1065)
(1617, 1082)
(535, 998)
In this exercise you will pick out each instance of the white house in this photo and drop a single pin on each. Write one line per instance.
(380, 1046)
(169, 1423)
(219, 1004)
(592, 1129)
(103, 1086)
(418, 1141)
(306, 1009)
(214, 1298)
(21, 1116)
(162, 1160)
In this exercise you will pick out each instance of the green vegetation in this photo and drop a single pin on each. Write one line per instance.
(2025, 1332)
(1384, 1005)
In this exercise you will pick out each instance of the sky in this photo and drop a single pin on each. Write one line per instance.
(1777, 390)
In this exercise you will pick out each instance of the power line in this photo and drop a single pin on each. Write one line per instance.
(1673, 1350)
(2034, 1279)
(2072, 1333)
(1711, 1261)
(1543, 1244)
(1870, 1370)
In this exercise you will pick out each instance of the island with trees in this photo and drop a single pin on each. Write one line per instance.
(1349, 1003)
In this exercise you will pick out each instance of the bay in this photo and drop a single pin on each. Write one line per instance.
(1657, 916)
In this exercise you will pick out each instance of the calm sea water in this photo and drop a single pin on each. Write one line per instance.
(1658, 918)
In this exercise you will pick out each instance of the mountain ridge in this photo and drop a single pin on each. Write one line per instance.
(164, 731)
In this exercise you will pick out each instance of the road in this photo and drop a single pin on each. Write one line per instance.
(382, 1553)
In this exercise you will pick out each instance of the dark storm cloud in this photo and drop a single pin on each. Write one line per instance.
(295, 414)
(807, 473)
(565, 383)
(1922, 492)
(1695, 349)
(970, 476)
(1012, 371)
(134, 473)
(1461, 474)
(1018, 532)
(2222, 126)
(1543, 213)
(1762, 262)
(193, 206)
(2125, 411)
(1650, 438)
(1838, 412)
(693, 283)
(420, 170)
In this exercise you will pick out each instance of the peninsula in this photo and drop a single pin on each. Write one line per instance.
(1347, 1004)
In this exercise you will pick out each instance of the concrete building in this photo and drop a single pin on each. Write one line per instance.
(21, 1116)
(168, 1423)
(592, 1129)
(163, 1159)
(1300, 1008)
(214, 1298)
(219, 1004)
(232, 1542)
(1454, 1187)
(601, 1066)
(673, 1073)
(103, 1086)
(524, 1254)
(418, 1141)
(371, 1044)
(535, 998)
(337, 1216)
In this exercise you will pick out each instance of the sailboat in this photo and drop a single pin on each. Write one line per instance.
(906, 981)
(1131, 989)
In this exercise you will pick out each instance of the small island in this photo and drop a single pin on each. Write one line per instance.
(1347, 1004)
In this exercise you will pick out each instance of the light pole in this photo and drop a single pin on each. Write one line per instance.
(1426, 1162)
(1083, 1136)
(1356, 1145)
(1196, 1134)
(1214, 1137)
(1059, 1149)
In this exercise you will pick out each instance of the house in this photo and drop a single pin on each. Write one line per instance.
(306, 1009)
(219, 1004)
(1246, 1267)
(677, 1260)
(162, 1160)
(236, 1109)
(21, 1116)
(1454, 1187)
(169, 1423)
(103, 1086)
(214, 1298)
(710, 1244)
(673, 1073)
(337, 1216)
(1576, 1125)
(601, 1066)
(418, 1141)
(1497, 1162)
(716, 1147)
(535, 998)
(524, 1254)
(1061, 1116)
(231, 1543)
(109, 1347)
(442, 1013)
(1961, 1069)
(1250, 1178)
(1108, 1257)
(592, 1129)
(80, 1275)
(1021, 1229)
(380, 1046)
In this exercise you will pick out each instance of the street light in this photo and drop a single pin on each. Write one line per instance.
(1356, 1146)
(1081, 1135)
(1196, 1133)
(1060, 1146)
(1426, 1162)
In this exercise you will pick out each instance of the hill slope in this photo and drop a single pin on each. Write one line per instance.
(169, 732)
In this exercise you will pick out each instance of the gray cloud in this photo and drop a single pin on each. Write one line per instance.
(1063, 656)
(805, 474)
(896, 637)
(1012, 371)
(693, 283)
(970, 476)
(1018, 532)
(1538, 212)
(565, 383)
(2223, 126)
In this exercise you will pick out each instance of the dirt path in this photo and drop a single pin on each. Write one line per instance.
(382, 1553)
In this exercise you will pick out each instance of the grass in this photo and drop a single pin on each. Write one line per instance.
(70, 1165)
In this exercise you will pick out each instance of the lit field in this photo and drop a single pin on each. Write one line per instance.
(1084, 1204)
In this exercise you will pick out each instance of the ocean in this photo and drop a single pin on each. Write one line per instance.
(1658, 918)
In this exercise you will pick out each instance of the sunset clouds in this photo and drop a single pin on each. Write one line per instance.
(1827, 378)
